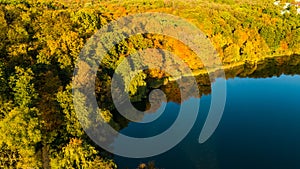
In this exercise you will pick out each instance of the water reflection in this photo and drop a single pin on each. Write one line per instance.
(250, 135)
(268, 67)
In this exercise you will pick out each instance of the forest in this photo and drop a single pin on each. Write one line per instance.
(40, 41)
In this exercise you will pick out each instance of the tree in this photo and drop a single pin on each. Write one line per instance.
(78, 154)
(20, 127)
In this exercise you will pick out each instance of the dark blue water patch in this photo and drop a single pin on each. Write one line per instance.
(182, 150)
(142, 130)
(261, 124)
(260, 129)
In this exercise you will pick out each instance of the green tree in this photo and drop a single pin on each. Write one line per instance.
(77, 154)
(20, 127)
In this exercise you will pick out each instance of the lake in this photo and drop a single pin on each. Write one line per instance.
(260, 127)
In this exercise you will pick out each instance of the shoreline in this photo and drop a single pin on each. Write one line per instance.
(202, 71)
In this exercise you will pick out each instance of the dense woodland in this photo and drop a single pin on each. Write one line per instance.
(40, 41)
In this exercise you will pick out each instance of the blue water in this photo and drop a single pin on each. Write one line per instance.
(260, 129)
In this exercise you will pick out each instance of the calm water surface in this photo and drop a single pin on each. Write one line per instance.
(260, 129)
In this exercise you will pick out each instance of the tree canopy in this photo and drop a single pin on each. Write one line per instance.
(40, 41)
